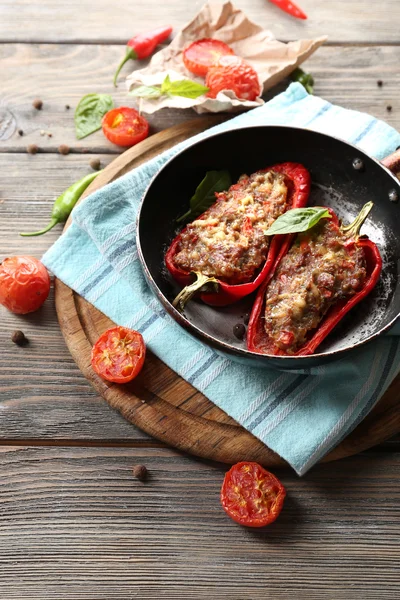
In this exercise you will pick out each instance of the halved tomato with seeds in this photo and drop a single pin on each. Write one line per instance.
(118, 355)
(124, 126)
(252, 496)
(202, 54)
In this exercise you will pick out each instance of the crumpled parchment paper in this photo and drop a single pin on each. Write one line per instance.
(273, 60)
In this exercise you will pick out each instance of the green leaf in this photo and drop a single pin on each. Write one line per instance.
(298, 220)
(306, 79)
(89, 113)
(186, 88)
(204, 196)
(182, 87)
(147, 91)
(166, 85)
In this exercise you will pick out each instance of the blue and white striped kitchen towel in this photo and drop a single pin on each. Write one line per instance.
(301, 416)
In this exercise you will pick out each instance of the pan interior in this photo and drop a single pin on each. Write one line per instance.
(335, 184)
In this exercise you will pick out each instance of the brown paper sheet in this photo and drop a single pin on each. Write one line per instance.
(273, 60)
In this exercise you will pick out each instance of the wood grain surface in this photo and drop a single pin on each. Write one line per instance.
(74, 524)
(45, 21)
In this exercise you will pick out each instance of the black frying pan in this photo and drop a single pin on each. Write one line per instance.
(336, 183)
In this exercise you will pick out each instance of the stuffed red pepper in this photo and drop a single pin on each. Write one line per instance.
(327, 270)
(226, 246)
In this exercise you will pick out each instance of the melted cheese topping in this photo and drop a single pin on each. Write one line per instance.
(228, 240)
(319, 269)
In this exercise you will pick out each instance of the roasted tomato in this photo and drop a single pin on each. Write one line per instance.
(118, 355)
(124, 126)
(233, 73)
(24, 284)
(252, 496)
(202, 54)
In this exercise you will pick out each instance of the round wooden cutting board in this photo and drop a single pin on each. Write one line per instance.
(162, 403)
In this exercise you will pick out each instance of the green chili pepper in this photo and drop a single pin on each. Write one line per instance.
(306, 79)
(64, 204)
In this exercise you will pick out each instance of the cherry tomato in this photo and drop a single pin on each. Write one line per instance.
(202, 54)
(252, 496)
(118, 355)
(24, 284)
(124, 126)
(233, 73)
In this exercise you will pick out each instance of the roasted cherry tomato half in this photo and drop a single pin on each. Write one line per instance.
(118, 355)
(24, 284)
(252, 496)
(233, 73)
(124, 126)
(202, 54)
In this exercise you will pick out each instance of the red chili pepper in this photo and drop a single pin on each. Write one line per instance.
(290, 7)
(229, 293)
(257, 338)
(142, 45)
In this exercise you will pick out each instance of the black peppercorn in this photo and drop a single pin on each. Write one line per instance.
(67, 106)
(95, 164)
(19, 338)
(20, 132)
(389, 108)
(239, 331)
(38, 104)
(32, 149)
(379, 83)
(140, 472)
(63, 149)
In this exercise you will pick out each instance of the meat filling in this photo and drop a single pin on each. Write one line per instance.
(322, 267)
(228, 241)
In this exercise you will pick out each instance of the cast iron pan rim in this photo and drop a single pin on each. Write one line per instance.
(215, 342)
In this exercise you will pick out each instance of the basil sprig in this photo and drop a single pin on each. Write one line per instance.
(89, 113)
(182, 87)
(297, 220)
(204, 196)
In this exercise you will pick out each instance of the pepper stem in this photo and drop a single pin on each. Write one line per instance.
(188, 292)
(354, 228)
(52, 223)
(130, 55)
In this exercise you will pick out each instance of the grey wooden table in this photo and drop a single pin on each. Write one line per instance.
(74, 523)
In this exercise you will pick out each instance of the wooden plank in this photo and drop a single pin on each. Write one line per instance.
(341, 20)
(344, 75)
(43, 394)
(75, 524)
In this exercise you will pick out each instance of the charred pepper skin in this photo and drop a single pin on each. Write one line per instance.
(228, 294)
(257, 338)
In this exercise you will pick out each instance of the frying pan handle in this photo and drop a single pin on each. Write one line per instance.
(392, 162)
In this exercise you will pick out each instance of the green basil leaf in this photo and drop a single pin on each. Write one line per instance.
(185, 88)
(147, 91)
(204, 196)
(89, 113)
(297, 220)
(166, 85)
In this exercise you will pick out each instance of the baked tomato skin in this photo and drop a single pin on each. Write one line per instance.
(200, 55)
(233, 73)
(124, 126)
(118, 355)
(24, 284)
(251, 495)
